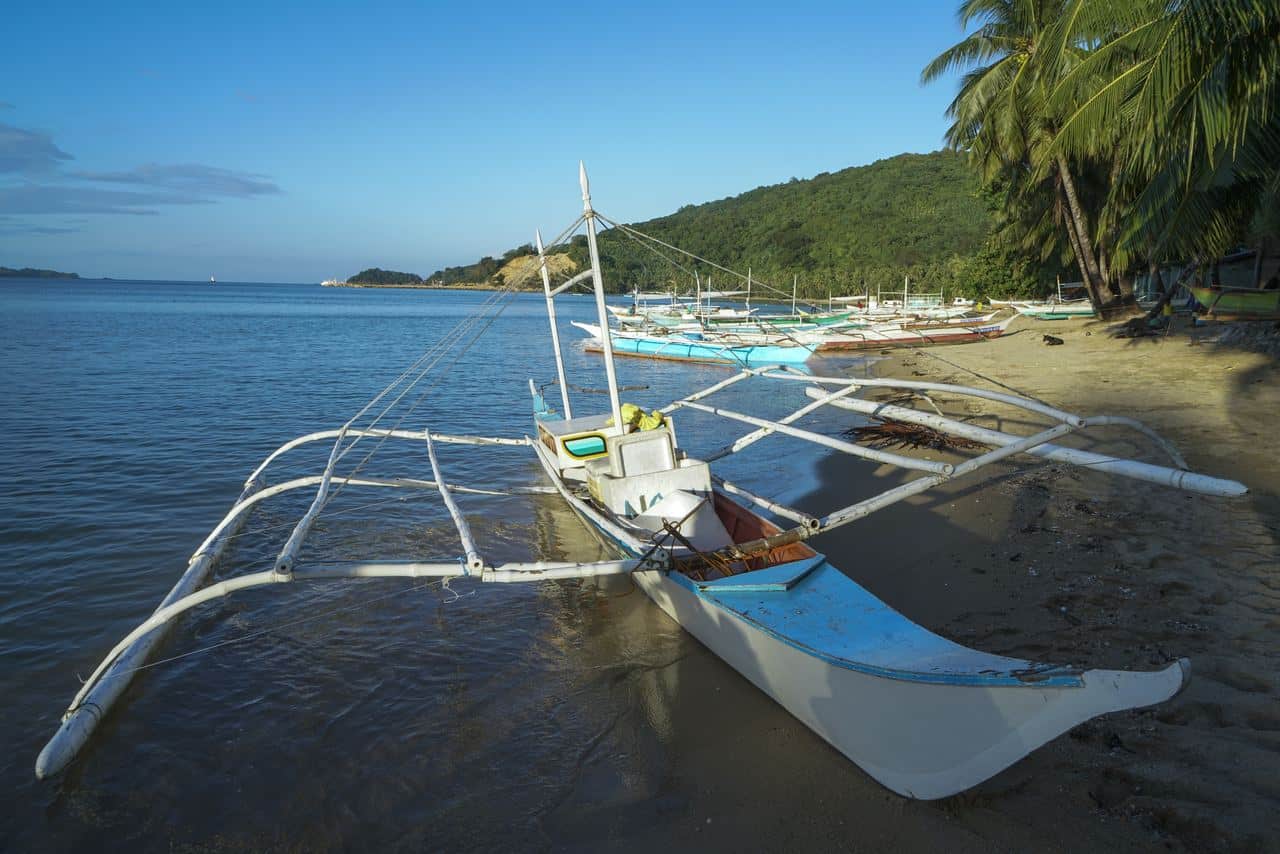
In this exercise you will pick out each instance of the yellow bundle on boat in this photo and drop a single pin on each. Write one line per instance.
(637, 419)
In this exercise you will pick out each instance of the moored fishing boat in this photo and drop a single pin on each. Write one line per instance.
(1054, 310)
(915, 334)
(921, 714)
(693, 347)
(1238, 303)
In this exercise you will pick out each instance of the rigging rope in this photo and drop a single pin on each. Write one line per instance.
(484, 317)
(628, 230)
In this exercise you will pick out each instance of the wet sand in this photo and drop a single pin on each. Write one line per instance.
(1052, 563)
(1057, 563)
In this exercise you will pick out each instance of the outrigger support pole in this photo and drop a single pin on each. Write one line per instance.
(83, 714)
(555, 332)
(756, 435)
(892, 459)
(100, 693)
(1179, 478)
(474, 562)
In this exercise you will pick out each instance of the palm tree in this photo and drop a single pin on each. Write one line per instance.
(1194, 87)
(1000, 114)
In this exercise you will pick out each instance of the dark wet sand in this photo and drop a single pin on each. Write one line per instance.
(1051, 563)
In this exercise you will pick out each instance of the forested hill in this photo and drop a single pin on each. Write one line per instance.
(916, 214)
(35, 273)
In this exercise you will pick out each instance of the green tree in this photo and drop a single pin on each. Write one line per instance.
(1000, 118)
(1188, 94)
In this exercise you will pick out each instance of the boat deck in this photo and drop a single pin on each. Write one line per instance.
(829, 615)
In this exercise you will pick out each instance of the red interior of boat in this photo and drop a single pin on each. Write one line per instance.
(744, 526)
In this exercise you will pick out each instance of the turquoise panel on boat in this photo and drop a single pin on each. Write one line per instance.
(585, 446)
(828, 615)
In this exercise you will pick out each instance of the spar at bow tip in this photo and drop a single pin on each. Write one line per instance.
(537, 237)
(582, 179)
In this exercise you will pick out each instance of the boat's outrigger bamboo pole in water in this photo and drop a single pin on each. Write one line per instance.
(103, 688)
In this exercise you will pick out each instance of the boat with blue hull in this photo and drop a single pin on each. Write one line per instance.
(693, 347)
(924, 716)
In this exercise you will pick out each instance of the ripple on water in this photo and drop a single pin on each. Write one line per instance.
(378, 711)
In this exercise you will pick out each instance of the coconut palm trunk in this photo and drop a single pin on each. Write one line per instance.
(1079, 256)
(1093, 275)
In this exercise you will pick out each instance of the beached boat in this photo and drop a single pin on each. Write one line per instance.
(923, 334)
(1071, 301)
(694, 347)
(1239, 303)
(923, 715)
(1054, 310)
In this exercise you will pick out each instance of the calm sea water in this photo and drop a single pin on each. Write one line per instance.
(346, 715)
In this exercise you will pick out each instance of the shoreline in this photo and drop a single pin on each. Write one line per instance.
(466, 287)
(1056, 564)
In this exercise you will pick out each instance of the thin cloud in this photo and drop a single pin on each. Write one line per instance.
(28, 152)
(190, 178)
(59, 199)
(11, 228)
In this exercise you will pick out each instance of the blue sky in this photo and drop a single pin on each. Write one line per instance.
(294, 142)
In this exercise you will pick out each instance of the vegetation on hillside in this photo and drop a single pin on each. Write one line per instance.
(378, 276)
(861, 228)
(34, 273)
(1121, 135)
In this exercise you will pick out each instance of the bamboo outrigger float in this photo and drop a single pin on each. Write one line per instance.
(923, 715)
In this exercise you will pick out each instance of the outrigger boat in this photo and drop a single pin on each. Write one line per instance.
(697, 347)
(1238, 303)
(856, 336)
(958, 331)
(923, 715)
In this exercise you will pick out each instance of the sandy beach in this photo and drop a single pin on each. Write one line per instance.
(1061, 564)
(1041, 561)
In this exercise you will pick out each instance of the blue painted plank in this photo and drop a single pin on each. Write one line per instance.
(774, 579)
(832, 617)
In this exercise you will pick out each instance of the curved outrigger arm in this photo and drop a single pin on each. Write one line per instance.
(100, 692)
(83, 714)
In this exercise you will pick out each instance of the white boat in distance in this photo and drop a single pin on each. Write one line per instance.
(923, 715)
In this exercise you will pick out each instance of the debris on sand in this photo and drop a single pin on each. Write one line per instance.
(896, 434)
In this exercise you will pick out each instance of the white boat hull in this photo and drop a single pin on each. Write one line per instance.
(955, 737)
(921, 738)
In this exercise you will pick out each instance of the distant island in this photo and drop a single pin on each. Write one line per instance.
(33, 273)
(519, 265)
(379, 278)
